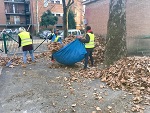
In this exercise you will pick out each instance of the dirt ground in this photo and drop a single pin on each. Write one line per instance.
(40, 89)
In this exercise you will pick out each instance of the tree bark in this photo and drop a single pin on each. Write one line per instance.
(116, 32)
(65, 21)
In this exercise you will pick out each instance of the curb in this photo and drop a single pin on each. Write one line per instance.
(2, 55)
(1, 70)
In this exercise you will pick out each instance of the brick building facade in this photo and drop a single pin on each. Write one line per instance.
(57, 9)
(137, 16)
(16, 13)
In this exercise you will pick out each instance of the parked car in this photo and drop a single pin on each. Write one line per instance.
(9, 31)
(16, 31)
(1, 35)
(44, 34)
(74, 32)
(60, 31)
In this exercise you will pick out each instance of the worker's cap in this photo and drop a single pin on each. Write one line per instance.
(21, 29)
(88, 28)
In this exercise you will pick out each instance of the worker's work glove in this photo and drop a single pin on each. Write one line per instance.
(79, 37)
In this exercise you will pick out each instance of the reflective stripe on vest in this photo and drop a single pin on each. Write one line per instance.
(91, 42)
(56, 39)
(25, 38)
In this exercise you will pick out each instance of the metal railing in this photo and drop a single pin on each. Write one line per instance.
(14, 0)
(15, 12)
(10, 43)
(17, 23)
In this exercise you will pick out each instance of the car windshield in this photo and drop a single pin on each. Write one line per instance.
(74, 33)
(46, 32)
(62, 33)
(8, 30)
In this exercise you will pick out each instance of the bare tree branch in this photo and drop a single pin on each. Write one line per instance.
(70, 2)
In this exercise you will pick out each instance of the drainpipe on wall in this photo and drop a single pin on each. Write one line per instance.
(37, 15)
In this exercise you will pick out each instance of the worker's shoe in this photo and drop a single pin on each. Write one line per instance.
(92, 66)
(34, 62)
(85, 68)
(24, 65)
(52, 61)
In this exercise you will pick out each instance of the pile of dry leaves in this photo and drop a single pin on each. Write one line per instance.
(17, 60)
(55, 46)
(98, 53)
(131, 74)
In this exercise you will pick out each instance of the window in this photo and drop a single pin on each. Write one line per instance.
(57, 14)
(46, 3)
(8, 17)
(52, 1)
(57, 2)
(69, 33)
(16, 20)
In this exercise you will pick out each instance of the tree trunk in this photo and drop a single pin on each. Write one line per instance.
(65, 21)
(116, 32)
(65, 15)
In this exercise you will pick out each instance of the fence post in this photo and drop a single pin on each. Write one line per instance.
(5, 46)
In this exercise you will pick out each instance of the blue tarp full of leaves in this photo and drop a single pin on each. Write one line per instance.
(71, 53)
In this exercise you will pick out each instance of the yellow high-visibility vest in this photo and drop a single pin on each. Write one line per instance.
(56, 39)
(25, 38)
(91, 42)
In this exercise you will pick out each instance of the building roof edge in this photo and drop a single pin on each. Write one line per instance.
(88, 2)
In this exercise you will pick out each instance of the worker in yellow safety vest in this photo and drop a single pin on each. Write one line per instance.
(25, 41)
(89, 45)
(55, 38)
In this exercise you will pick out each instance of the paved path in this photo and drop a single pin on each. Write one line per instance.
(1, 70)
(39, 89)
(2, 55)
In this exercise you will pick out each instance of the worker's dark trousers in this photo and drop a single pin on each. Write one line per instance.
(88, 54)
(52, 57)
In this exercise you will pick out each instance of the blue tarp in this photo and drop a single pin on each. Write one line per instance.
(71, 53)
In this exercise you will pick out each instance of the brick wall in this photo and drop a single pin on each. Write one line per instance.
(2, 13)
(137, 17)
(96, 14)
